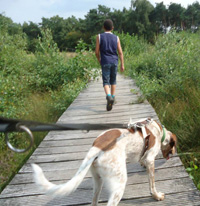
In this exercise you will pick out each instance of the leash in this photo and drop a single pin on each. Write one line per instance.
(17, 125)
(8, 125)
(188, 153)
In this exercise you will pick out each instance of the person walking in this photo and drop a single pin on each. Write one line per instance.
(108, 47)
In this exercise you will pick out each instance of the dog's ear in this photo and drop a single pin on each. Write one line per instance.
(172, 143)
(173, 140)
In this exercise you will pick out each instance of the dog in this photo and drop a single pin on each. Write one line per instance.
(106, 160)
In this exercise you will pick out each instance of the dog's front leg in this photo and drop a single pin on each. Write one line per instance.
(150, 169)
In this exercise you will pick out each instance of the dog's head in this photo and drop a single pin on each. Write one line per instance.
(168, 146)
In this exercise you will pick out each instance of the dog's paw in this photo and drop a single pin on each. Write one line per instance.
(159, 196)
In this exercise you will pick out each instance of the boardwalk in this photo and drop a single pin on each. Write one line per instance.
(60, 154)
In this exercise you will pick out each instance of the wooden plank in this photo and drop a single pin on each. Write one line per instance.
(82, 196)
(111, 115)
(61, 150)
(134, 177)
(69, 165)
(121, 119)
(64, 143)
(188, 198)
(118, 110)
(72, 134)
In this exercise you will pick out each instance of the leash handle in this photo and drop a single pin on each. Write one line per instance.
(30, 137)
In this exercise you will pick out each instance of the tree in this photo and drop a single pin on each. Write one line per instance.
(32, 31)
(95, 18)
(6, 24)
(119, 19)
(158, 17)
(176, 13)
(192, 16)
(142, 10)
(60, 28)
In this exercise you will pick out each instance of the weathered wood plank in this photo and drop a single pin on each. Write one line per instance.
(188, 198)
(69, 165)
(118, 110)
(105, 120)
(61, 150)
(82, 196)
(133, 181)
(56, 143)
(71, 134)
(126, 114)
(134, 177)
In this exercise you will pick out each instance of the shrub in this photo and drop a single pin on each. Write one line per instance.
(169, 76)
(36, 87)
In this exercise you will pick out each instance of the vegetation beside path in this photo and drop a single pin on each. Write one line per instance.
(168, 74)
(37, 86)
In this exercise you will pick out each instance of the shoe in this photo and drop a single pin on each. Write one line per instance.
(114, 100)
(110, 102)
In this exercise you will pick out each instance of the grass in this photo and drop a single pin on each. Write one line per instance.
(168, 74)
(37, 87)
(43, 107)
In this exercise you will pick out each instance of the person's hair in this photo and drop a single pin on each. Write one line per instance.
(108, 24)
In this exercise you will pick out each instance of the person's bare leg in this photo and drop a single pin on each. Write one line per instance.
(113, 88)
(107, 89)
(108, 97)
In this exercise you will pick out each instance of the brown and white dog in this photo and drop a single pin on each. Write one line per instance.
(106, 159)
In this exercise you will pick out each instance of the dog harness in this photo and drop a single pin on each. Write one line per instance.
(140, 125)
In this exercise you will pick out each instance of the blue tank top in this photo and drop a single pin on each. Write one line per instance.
(108, 48)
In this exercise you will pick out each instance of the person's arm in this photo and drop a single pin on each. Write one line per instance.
(121, 56)
(97, 50)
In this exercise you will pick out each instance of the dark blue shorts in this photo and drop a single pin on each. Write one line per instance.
(109, 74)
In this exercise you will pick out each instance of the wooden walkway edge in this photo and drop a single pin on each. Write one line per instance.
(61, 153)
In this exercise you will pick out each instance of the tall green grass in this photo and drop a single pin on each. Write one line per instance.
(37, 87)
(168, 73)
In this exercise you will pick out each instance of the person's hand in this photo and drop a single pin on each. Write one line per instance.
(122, 68)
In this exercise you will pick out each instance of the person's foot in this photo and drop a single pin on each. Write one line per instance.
(110, 102)
(114, 100)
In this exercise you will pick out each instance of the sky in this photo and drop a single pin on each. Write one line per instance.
(21, 11)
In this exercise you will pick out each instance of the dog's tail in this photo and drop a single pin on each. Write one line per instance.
(71, 185)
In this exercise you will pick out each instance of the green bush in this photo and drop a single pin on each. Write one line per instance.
(36, 87)
(169, 76)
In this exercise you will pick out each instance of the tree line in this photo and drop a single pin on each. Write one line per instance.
(142, 19)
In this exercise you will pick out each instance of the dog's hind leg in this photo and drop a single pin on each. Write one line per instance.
(98, 183)
(116, 188)
(116, 195)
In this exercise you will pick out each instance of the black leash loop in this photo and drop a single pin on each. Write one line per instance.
(16, 125)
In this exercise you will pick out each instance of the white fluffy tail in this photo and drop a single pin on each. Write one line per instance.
(71, 185)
